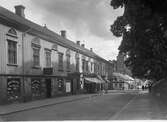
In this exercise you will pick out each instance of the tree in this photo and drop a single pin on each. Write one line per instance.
(143, 27)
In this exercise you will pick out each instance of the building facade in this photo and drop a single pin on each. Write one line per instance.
(37, 63)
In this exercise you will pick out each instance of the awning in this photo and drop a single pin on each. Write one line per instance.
(93, 80)
(122, 76)
(99, 77)
(107, 81)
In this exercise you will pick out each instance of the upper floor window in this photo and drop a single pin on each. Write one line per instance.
(83, 65)
(68, 59)
(60, 63)
(87, 66)
(77, 61)
(48, 57)
(12, 52)
(36, 56)
(68, 62)
(36, 51)
(91, 66)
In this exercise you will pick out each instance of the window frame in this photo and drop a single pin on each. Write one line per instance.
(14, 62)
(36, 48)
(60, 61)
(48, 58)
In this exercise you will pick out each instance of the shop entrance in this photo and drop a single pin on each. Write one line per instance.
(48, 88)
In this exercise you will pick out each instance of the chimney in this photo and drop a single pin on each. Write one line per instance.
(63, 33)
(19, 10)
(78, 43)
(91, 49)
(83, 45)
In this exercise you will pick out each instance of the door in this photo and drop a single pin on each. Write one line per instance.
(48, 88)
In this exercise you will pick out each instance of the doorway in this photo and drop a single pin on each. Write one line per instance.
(48, 88)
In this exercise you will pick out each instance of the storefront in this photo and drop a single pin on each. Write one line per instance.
(93, 83)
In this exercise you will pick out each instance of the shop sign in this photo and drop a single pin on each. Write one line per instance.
(47, 71)
(68, 87)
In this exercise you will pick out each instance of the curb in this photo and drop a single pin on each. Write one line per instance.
(46, 105)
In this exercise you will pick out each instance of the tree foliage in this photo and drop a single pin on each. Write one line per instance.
(145, 42)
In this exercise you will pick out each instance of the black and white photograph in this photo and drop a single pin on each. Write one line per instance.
(83, 60)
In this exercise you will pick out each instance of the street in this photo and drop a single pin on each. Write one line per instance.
(111, 106)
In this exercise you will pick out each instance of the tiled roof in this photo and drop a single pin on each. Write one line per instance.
(43, 32)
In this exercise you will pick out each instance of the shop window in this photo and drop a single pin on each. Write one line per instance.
(120, 85)
(13, 89)
(35, 87)
(60, 85)
(12, 52)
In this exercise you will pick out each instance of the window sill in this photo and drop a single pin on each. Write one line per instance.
(15, 65)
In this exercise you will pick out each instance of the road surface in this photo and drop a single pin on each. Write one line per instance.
(111, 106)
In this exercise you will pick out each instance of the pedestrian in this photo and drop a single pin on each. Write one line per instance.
(149, 88)
(142, 87)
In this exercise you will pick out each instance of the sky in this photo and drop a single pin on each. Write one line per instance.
(87, 21)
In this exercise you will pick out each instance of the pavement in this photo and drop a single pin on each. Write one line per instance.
(18, 107)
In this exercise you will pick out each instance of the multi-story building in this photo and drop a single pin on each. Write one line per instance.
(37, 63)
(122, 74)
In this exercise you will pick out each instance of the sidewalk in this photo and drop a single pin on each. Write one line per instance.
(142, 107)
(18, 107)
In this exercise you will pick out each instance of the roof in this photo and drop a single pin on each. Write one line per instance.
(15, 20)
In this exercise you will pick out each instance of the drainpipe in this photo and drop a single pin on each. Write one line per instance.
(23, 66)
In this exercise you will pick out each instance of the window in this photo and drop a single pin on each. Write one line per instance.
(60, 66)
(60, 84)
(13, 89)
(68, 59)
(87, 67)
(77, 64)
(36, 87)
(83, 65)
(36, 56)
(36, 51)
(77, 61)
(68, 62)
(91, 66)
(12, 52)
(48, 57)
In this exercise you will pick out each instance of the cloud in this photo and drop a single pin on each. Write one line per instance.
(85, 20)
(91, 16)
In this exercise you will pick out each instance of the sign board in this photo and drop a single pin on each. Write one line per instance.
(47, 71)
(68, 87)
